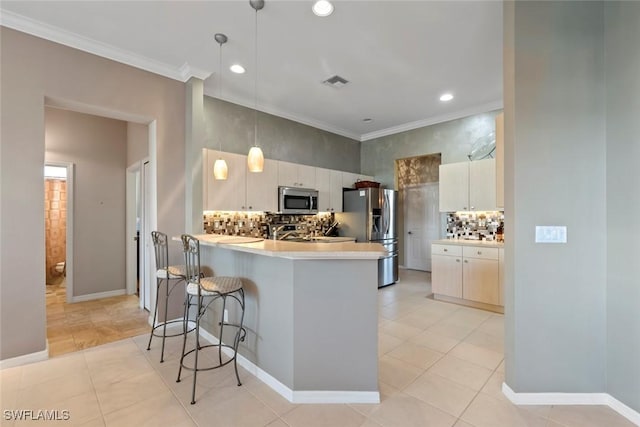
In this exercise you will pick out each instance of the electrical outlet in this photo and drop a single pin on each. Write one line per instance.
(226, 315)
(551, 234)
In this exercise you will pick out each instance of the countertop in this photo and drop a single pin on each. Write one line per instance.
(293, 250)
(463, 242)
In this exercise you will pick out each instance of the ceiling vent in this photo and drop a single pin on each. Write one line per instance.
(336, 81)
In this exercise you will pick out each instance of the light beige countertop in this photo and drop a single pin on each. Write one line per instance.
(463, 242)
(293, 250)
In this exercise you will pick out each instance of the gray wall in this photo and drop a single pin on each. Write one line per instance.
(453, 139)
(30, 70)
(280, 139)
(98, 148)
(622, 35)
(137, 142)
(556, 300)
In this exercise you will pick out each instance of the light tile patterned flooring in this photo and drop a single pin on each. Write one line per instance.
(440, 365)
(73, 327)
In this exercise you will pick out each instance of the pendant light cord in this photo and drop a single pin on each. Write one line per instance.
(255, 88)
(220, 91)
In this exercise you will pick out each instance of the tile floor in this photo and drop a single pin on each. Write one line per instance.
(73, 327)
(440, 365)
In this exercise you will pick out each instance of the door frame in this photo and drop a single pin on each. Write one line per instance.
(69, 226)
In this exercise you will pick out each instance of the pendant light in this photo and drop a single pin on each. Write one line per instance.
(220, 169)
(255, 159)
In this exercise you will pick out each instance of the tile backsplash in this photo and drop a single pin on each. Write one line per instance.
(259, 224)
(481, 225)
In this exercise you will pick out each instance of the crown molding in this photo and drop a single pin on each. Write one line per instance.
(187, 72)
(483, 108)
(292, 117)
(55, 34)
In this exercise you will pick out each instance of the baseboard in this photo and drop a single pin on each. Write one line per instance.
(572, 399)
(99, 295)
(292, 396)
(38, 356)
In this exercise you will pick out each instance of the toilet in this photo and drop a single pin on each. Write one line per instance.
(60, 267)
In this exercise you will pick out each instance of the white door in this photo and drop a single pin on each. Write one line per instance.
(132, 224)
(146, 245)
(421, 224)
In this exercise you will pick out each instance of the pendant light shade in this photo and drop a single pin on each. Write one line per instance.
(220, 169)
(255, 160)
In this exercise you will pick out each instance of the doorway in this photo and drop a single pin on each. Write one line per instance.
(422, 224)
(58, 215)
(137, 224)
(417, 180)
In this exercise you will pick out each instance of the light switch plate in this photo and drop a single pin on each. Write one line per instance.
(551, 234)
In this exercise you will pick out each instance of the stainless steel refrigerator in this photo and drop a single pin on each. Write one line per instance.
(370, 215)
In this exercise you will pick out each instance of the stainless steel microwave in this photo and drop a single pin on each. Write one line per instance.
(293, 200)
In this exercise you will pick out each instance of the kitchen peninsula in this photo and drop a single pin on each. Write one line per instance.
(311, 314)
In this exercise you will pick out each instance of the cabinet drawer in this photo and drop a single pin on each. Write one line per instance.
(453, 250)
(480, 252)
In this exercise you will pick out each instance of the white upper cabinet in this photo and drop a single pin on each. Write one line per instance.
(294, 175)
(228, 194)
(468, 186)
(454, 187)
(482, 185)
(500, 160)
(262, 188)
(329, 186)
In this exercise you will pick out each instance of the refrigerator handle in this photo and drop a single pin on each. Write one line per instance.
(387, 213)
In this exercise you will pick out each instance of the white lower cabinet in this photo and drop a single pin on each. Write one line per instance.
(466, 272)
(480, 275)
(446, 273)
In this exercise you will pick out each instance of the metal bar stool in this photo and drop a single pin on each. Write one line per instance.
(206, 290)
(166, 274)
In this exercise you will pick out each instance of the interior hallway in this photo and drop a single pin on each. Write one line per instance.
(74, 327)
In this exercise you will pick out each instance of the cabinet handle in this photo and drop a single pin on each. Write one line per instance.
(479, 252)
(250, 207)
(464, 208)
(446, 250)
(472, 208)
(457, 260)
(466, 260)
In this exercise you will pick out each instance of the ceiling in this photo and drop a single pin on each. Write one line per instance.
(399, 56)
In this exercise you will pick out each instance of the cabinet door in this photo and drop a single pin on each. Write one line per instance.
(500, 160)
(323, 185)
(481, 282)
(229, 194)
(482, 185)
(349, 179)
(336, 191)
(262, 188)
(306, 176)
(454, 187)
(501, 276)
(446, 275)
(287, 174)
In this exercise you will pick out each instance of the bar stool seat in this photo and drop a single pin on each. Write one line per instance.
(205, 291)
(172, 272)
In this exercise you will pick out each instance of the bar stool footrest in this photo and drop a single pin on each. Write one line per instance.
(176, 334)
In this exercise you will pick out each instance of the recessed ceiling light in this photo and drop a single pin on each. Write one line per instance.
(446, 97)
(367, 120)
(237, 68)
(322, 8)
